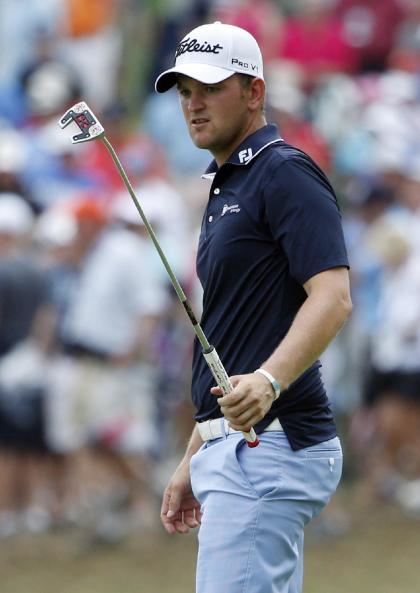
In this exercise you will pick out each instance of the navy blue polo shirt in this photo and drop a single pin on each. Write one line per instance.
(271, 223)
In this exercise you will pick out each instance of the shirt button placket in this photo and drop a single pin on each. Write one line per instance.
(210, 218)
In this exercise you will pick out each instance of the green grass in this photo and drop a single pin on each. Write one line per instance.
(379, 554)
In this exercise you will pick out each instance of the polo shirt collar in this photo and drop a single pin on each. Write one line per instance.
(248, 149)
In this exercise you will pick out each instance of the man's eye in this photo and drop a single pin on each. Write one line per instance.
(183, 92)
(211, 89)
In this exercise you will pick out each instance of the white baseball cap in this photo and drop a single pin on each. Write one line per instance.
(211, 53)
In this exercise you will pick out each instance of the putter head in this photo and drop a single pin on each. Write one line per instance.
(86, 120)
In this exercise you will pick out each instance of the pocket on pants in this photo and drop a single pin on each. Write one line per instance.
(324, 466)
(326, 450)
(260, 466)
(197, 478)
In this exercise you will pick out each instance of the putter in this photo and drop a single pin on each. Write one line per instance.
(91, 129)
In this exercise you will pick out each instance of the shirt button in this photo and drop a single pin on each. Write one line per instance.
(217, 191)
(210, 218)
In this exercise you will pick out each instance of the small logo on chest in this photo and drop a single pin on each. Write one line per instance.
(234, 209)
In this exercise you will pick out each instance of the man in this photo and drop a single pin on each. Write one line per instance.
(273, 266)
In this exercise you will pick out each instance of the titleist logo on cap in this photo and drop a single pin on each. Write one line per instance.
(190, 45)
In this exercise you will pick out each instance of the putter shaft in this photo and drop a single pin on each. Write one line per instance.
(91, 129)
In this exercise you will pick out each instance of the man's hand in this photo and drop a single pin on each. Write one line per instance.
(248, 403)
(180, 510)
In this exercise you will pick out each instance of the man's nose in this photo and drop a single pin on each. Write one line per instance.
(196, 101)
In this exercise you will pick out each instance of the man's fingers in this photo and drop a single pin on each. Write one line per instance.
(242, 417)
(180, 523)
(170, 503)
(181, 527)
(190, 518)
(216, 391)
(169, 522)
(169, 512)
(244, 427)
(168, 525)
(232, 399)
(174, 504)
(179, 512)
(234, 380)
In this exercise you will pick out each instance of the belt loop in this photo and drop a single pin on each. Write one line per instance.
(224, 428)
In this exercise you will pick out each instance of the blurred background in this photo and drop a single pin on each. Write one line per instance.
(95, 349)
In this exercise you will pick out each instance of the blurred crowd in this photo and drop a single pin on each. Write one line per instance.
(95, 349)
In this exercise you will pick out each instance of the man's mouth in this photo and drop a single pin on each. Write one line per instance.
(198, 121)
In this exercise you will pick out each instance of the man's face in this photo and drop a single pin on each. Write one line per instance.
(217, 115)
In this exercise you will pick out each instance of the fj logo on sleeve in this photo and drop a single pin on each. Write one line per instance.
(234, 208)
(245, 155)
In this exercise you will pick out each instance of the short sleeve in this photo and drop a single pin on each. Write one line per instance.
(304, 218)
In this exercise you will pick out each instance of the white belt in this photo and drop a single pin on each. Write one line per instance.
(219, 427)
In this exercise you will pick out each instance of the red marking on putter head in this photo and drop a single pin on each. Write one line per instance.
(88, 124)
(253, 444)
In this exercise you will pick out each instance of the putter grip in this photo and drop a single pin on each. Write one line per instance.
(219, 373)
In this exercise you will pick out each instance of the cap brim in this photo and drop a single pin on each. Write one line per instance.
(201, 72)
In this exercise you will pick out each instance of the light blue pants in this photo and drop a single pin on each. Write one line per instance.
(255, 505)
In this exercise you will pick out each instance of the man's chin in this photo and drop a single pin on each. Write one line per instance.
(201, 143)
(200, 139)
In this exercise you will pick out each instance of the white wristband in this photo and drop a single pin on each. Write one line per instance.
(274, 383)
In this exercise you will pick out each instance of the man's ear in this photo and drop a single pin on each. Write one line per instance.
(256, 94)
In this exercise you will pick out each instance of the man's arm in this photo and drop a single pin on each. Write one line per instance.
(180, 510)
(317, 322)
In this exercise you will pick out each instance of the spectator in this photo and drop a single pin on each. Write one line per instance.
(405, 51)
(369, 26)
(20, 26)
(286, 102)
(164, 205)
(13, 160)
(314, 39)
(263, 20)
(393, 385)
(91, 44)
(23, 292)
(99, 392)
